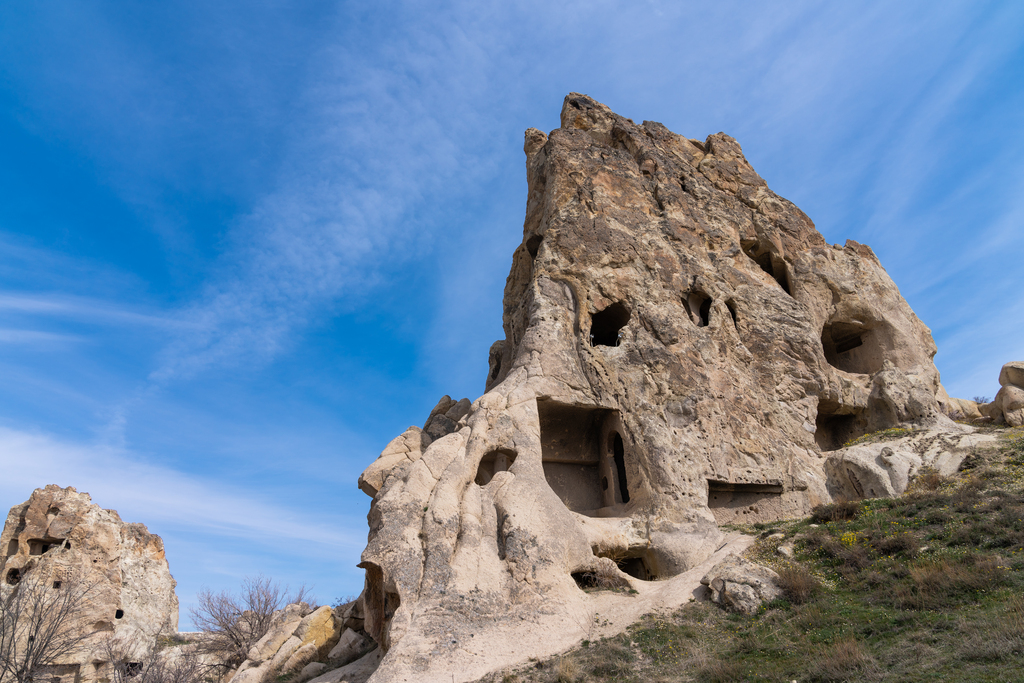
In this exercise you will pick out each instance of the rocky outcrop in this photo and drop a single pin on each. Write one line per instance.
(326, 645)
(1009, 402)
(58, 536)
(681, 346)
(739, 585)
(884, 469)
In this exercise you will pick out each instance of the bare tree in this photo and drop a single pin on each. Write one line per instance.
(232, 624)
(39, 621)
(134, 660)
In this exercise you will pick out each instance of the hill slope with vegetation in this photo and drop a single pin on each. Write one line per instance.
(928, 586)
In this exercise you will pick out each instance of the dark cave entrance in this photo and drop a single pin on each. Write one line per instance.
(698, 307)
(606, 325)
(768, 262)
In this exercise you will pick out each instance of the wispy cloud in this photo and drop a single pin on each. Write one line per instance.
(160, 496)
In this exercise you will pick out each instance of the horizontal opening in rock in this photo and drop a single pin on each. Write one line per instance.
(12, 548)
(492, 463)
(637, 567)
(533, 245)
(577, 464)
(38, 546)
(132, 669)
(13, 577)
(731, 502)
(605, 326)
(119, 614)
(769, 263)
(851, 347)
(698, 307)
(102, 626)
(56, 584)
(618, 453)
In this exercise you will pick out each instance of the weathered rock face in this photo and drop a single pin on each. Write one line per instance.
(680, 348)
(59, 535)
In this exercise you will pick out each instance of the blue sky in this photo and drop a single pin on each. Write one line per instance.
(243, 245)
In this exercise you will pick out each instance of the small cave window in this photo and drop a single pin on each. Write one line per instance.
(13, 577)
(131, 669)
(492, 463)
(533, 245)
(698, 307)
(731, 305)
(606, 325)
(119, 614)
(769, 263)
(56, 584)
(12, 548)
(618, 453)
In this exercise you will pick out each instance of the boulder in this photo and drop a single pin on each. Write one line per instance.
(884, 469)
(351, 646)
(1009, 402)
(739, 585)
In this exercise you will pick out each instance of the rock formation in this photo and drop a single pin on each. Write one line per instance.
(58, 535)
(1009, 402)
(681, 346)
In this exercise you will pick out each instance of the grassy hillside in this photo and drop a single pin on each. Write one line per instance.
(925, 587)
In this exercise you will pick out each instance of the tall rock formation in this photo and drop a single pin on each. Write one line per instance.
(681, 347)
(59, 535)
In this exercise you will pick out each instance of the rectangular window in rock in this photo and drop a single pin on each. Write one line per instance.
(732, 502)
(584, 459)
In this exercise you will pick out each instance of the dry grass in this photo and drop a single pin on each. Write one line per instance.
(846, 660)
(798, 584)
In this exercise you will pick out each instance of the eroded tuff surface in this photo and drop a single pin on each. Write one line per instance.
(60, 535)
(681, 347)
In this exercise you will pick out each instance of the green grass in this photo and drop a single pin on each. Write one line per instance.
(925, 587)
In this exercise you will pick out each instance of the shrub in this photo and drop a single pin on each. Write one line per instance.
(897, 544)
(839, 511)
(844, 661)
(798, 584)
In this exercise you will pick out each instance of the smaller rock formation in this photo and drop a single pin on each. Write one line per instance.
(326, 645)
(59, 536)
(1009, 402)
(739, 585)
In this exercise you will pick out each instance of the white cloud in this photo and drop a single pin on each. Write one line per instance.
(159, 496)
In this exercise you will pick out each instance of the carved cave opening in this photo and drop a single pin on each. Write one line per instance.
(852, 347)
(492, 463)
(733, 501)
(831, 431)
(12, 548)
(57, 584)
(731, 305)
(38, 546)
(118, 614)
(533, 245)
(605, 325)
(698, 307)
(769, 263)
(13, 577)
(618, 452)
(583, 456)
